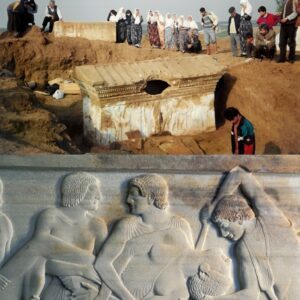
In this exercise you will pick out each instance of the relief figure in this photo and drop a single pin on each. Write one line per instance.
(151, 254)
(267, 248)
(6, 230)
(64, 245)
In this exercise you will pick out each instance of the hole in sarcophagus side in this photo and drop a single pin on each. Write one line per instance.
(155, 87)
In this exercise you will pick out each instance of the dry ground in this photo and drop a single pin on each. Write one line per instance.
(265, 92)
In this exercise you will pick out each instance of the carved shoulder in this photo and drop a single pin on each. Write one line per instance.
(184, 225)
(46, 219)
(98, 225)
(6, 226)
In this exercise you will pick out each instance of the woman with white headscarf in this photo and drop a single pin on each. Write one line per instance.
(169, 31)
(161, 28)
(183, 26)
(193, 25)
(153, 30)
(246, 25)
(136, 28)
(121, 25)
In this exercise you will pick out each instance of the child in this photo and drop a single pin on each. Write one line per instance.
(250, 45)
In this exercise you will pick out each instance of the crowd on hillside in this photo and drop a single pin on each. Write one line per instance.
(182, 33)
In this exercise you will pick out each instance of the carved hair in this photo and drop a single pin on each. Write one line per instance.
(207, 282)
(154, 187)
(233, 208)
(75, 186)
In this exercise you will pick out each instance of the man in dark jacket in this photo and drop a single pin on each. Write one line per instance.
(288, 30)
(53, 14)
(242, 132)
(233, 30)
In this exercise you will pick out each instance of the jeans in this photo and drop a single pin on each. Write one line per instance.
(209, 36)
(235, 42)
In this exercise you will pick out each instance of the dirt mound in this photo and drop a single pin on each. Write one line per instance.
(265, 92)
(41, 57)
(26, 127)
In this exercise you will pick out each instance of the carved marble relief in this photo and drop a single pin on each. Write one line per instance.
(6, 234)
(152, 253)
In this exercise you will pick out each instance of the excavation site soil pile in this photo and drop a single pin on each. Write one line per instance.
(265, 92)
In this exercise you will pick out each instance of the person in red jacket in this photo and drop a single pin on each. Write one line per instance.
(267, 18)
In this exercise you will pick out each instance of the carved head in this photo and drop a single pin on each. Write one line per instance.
(152, 187)
(213, 277)
(80, 188)
(230, 215)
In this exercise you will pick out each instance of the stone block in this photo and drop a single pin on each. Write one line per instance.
(164, 95)
(102, 31)
(150, 227)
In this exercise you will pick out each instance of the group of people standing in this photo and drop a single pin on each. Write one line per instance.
(262, 44)
(21, 16)
(164, 32)
(173, 32)
(129, 25)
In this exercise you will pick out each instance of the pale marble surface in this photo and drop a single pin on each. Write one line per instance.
(159, 256)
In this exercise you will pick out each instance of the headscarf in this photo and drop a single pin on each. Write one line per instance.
(137, 17)
(128, 16)
(161, 19)
(151, 18)
(121, 14)
(112, 16)
(246, 7)
(192, 23)
(169, 20)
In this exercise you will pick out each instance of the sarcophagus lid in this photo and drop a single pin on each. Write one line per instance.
(130, 78)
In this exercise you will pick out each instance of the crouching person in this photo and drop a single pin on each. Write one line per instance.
(193, 42)
(265, 42)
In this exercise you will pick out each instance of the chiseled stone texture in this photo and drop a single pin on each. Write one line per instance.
(116, 101)
(149, 227)
(102, 31)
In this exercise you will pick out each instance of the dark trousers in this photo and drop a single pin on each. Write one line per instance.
(287, 37)
(264, 51)
(51, 21)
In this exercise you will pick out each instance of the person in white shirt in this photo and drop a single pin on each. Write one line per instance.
(52, 14)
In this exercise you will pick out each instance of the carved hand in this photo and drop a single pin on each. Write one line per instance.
(205, 213)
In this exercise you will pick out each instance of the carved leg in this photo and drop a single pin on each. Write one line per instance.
(34, 281)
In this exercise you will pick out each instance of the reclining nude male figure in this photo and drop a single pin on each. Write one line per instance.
(64, 245)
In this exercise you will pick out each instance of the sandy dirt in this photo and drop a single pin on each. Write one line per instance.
(265, 92)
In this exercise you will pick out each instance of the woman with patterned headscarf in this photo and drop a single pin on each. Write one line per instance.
(153, 30)
(136, 28)
(246, 25)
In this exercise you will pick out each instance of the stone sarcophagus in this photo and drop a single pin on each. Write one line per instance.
(101, 31)
(174, 95)
(98, 228)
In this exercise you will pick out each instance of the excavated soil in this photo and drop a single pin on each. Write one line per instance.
(265, 92)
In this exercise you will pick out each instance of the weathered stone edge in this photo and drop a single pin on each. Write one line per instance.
(151, 163)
